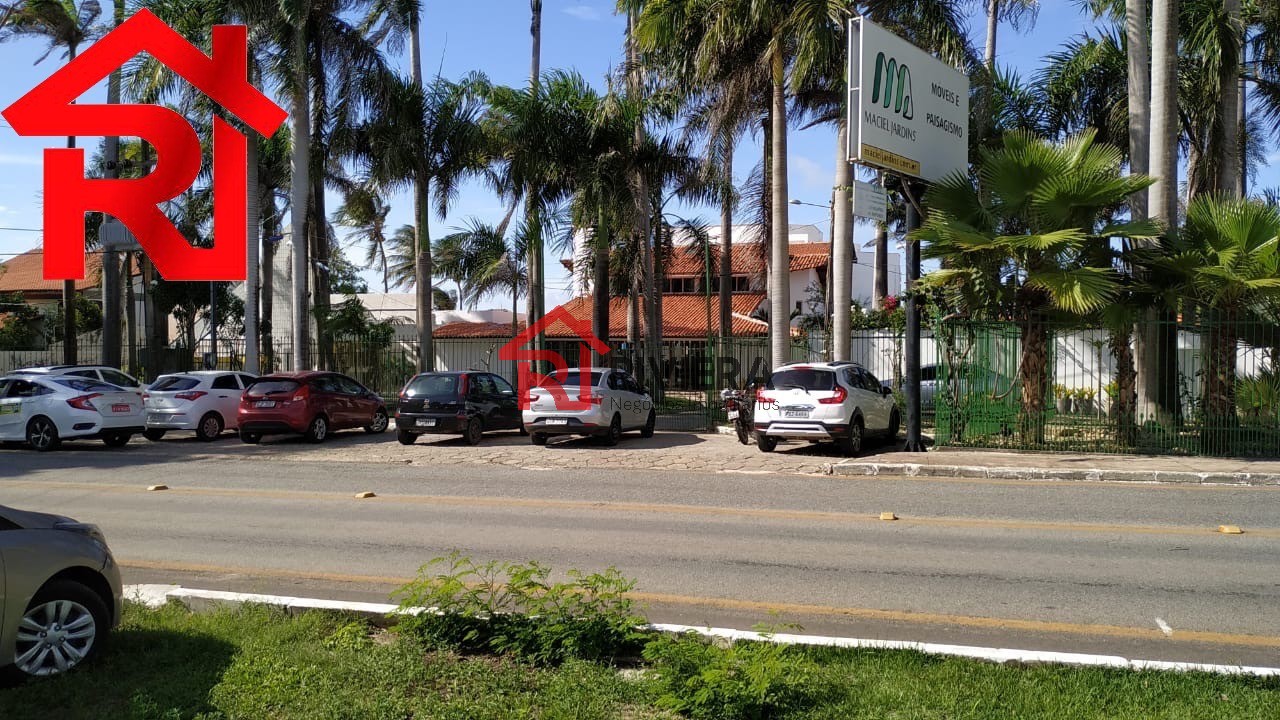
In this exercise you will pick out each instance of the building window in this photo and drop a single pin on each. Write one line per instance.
(740, 284)
(680, 285)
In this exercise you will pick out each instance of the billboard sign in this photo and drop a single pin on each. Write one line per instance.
(908, 111)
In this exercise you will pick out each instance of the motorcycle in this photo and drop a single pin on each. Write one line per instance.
(739, 406)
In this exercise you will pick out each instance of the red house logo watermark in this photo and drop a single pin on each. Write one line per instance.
(526, 378)
(50, 109)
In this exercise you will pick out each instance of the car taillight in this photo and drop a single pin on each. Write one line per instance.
(531, 398)
(146, 397)
(82, 402)
(835, 399)
(763, 399)
(593, 400)
(300, 395)
(191, 395)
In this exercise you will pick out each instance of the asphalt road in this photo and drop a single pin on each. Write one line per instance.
(1132, 570)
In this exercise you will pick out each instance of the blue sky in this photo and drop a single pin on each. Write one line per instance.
(492, 36)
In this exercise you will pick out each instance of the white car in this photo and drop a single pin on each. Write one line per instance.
(614, 403)
(44, 410)
(839, 402)
(93, 372)
(205, 401)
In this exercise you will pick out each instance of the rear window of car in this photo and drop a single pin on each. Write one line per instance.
(265, 387)
(84, 384)
(573, 378)
(434, 386)
(806, 378)
(174, 383)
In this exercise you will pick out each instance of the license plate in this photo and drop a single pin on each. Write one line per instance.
(795, 413)
(155, 419)
(119, 408)
(265, 403)
(733, 414)
(558, 421)
(426, 422)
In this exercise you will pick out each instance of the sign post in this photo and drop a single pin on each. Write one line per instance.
(909, 115)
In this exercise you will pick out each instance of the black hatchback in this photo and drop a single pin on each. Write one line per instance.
(466, 403)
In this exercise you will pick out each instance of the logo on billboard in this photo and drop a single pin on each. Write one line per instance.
(51, 109)
(526, 379)
(892, 86)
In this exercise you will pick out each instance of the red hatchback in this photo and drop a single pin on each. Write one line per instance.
(312, 403)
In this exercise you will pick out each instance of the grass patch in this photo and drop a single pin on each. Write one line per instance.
(258, 663)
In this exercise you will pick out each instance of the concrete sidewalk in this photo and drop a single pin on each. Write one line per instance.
(945, 462)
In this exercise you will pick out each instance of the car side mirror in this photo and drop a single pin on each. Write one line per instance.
(886, 390)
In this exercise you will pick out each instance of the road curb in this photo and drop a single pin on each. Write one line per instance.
(383, 613)
(862, 469)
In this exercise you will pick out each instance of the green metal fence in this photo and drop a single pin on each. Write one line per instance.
(1158, 387)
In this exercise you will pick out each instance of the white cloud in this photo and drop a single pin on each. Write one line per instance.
(15, 159)
(812, 175)
(583, 12)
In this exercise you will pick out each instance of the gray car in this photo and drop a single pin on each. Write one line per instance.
(60, 593)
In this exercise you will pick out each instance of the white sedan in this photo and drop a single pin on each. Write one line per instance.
(613, 402)
(204, 401)
(44, 410)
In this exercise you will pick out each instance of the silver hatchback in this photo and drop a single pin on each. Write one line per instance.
(60, 593)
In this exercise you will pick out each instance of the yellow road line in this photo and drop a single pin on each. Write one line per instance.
(766, 608)
(655, 508)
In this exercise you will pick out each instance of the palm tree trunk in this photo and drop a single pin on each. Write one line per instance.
(254, 234)
(266, 195)
(993, 24)
(600, 284)
(1220, 382)
(421, 208)
(131, 314)
(1156, 351)
(842, 250)
(70, 355)
(1035, 379)
(537, 272)
(780, 280)
(1229, 160)
(1126, 396)
(1139, 56)
(319, 223)
(726, 245)
(644, 230)
(300, 187)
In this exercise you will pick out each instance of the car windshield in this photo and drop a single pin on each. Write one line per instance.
(84, 384)
(433, 386)
(174, 383)
(802, 379)
(269, 386)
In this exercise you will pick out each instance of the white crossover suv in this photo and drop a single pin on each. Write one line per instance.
(839, 402)
(206, 401)
(613, 402)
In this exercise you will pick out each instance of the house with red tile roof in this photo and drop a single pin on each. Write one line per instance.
(25, 274)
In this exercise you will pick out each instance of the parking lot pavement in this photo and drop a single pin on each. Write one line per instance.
(672, 451)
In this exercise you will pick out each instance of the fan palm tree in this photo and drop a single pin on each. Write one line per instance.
(1018, 245)
(65, 25)
(1229, 253)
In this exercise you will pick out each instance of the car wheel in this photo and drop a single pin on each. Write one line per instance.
(474, 432)
(405, 438)
(895, 422)
(318, 430)
(766, 443)
(649, 424)
(379, 423)
(116, 440)
(851, 444)
(614, 433)
(153, 435)
(250, 438)
(64, 626)
(210, 427)
(42, 434)
(538, 438)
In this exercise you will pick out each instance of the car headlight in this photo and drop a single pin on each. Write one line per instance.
(89, 530)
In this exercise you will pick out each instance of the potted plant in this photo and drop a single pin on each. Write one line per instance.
(1062, 394)
(1084, 401)
(1112, 390)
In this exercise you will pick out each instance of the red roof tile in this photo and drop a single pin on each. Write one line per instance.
(748, 258)
(683, 317)
(25, 273)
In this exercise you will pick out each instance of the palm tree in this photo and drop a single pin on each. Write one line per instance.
(365, 212)
(68, 25)
(1018, 245)
(1015, 12)
(1229, 253)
